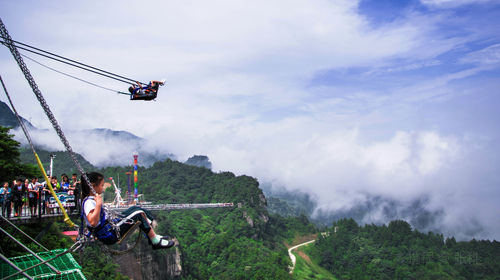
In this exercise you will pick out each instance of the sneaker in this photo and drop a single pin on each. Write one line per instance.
(163, 244)
(161, 236)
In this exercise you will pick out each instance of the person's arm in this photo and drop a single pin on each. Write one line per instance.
(93, 215)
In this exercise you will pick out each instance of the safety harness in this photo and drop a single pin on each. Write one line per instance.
(105, 230)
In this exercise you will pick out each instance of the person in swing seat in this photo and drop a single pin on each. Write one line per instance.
(97, 219)
(145, 92)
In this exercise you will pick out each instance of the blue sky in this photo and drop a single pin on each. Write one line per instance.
(345, 100)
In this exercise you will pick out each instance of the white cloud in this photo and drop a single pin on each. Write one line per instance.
(434, 152)
(238, 89)
(488, 56)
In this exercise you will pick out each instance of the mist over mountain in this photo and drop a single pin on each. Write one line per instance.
(200, 161)
(8, 118)
(373, 209)
(102, 147)
(439, 209)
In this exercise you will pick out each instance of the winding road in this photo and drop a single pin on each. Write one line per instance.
(292, 256)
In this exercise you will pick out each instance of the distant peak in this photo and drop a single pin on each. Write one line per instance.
(200, 161)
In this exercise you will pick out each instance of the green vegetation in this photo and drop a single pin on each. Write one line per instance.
(62, 162)
(288, 203)
(95, 265)
(306, 269)
(243, 242)
(246, 242)
(10, 165)
(398, 252)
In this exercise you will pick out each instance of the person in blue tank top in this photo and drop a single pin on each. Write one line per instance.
(98, 222)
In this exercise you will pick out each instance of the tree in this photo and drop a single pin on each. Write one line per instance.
(10, 164)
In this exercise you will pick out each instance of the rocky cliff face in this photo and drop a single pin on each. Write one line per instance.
(145, 264)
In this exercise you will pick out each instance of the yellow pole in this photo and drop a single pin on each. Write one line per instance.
(66, 217)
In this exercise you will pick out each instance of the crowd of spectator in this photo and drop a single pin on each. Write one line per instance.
(23, 197)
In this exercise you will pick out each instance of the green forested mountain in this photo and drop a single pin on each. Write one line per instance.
(62, 161)
(396, 251)
(288, 203)
(200, 161)
(247, 242)
(243, 242)
(11, 167)
(8, 118)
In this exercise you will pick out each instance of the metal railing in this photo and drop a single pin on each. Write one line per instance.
(33, 205)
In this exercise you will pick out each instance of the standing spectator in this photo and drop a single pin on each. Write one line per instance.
(17, 195)
(75, 187)
(33, 195)
(3, 195)
(46, 199)
(57, 189)
(65, 188)
(7, 197)
(25, 197)
(64, 183)
(39, 193)
(55, 184)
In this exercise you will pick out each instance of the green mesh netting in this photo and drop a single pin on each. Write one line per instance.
(67, 275)
(69, 268)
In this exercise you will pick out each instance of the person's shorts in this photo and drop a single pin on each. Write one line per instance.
(32, 201)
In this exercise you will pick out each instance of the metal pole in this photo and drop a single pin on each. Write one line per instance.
(52, 156)
(31, 252)
(14, 226)
(73, 248)
(14, 266)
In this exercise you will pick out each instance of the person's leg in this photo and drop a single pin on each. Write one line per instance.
(135, 214)
(16, 207)
(32, 205)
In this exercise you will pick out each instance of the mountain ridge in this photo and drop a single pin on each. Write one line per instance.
(118, 145)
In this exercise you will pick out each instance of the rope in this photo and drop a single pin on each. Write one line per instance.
(21, 231)
(71, 76)
(43, 103)
(40, 166)
(62, 61)
(17, 56)
(71, 60)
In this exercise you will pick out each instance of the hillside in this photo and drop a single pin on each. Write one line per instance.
(243, 242)
(8, 118)
(288, 203)
(247, 242)
(62, 161)
(200, 161)
(116, 146)
(396, 251)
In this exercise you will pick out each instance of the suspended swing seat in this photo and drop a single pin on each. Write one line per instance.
(119, 245)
